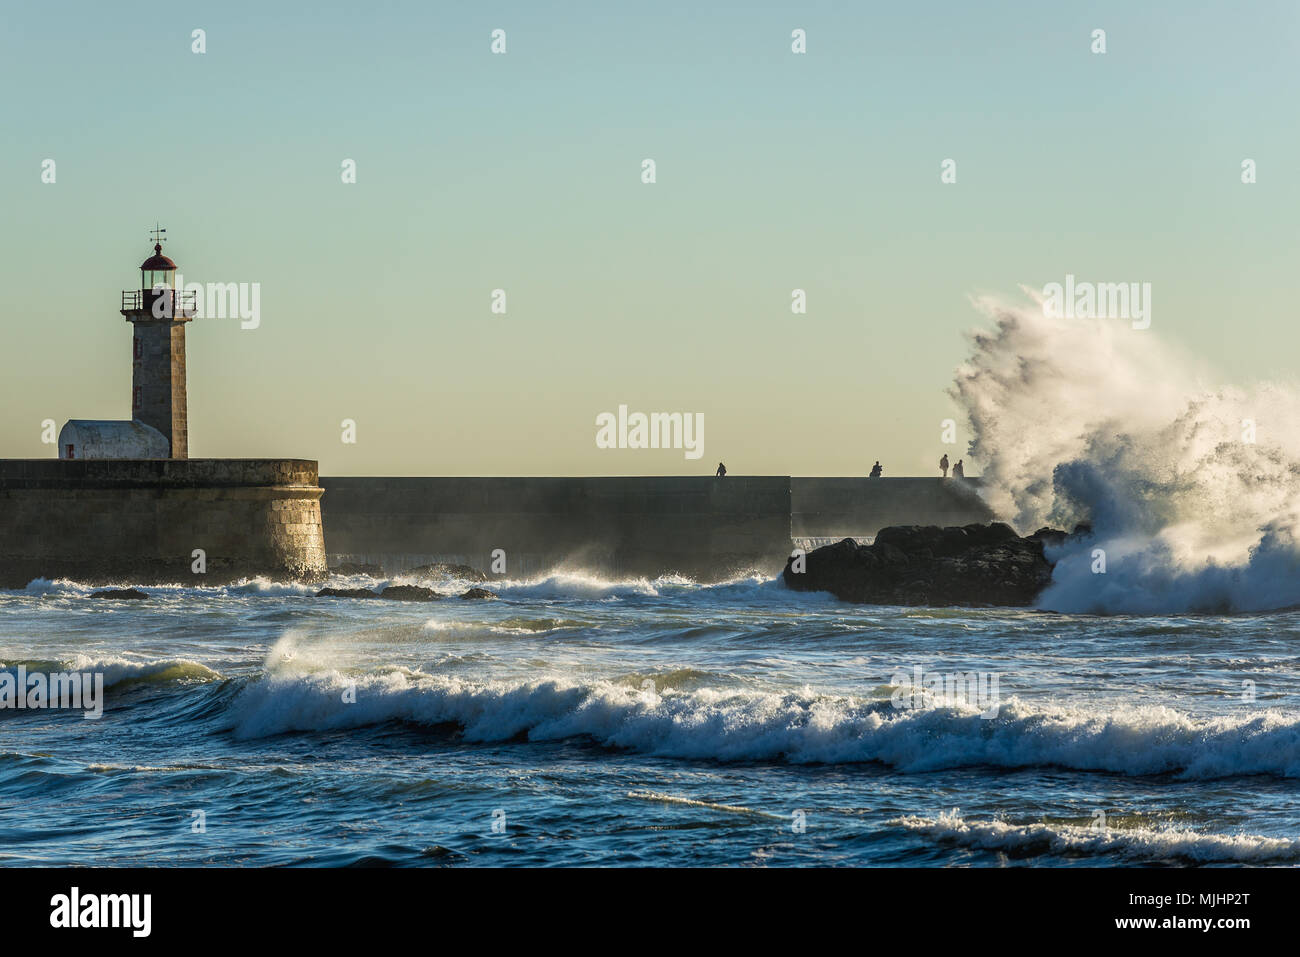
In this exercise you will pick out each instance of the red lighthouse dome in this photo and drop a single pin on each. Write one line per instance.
(157, 269)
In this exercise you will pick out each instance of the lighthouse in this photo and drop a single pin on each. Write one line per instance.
(158, 312)
(158, 428)
(125, 502)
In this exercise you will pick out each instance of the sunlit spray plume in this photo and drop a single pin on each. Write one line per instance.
(1192, 489)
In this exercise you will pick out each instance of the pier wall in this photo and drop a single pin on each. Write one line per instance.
(140, 520)
(702, 527)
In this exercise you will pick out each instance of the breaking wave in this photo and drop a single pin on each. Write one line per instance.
(558, 587)
(570, 586)
(121, 671)
(244, 588)
(723, 724)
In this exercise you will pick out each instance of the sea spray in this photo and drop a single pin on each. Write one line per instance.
(1192, 490)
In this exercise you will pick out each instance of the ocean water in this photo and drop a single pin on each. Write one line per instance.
(579, 721)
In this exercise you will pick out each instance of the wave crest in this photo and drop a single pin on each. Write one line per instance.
(121, 671)
(722, 724)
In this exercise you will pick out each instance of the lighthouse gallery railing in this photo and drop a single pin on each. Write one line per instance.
(181, 302)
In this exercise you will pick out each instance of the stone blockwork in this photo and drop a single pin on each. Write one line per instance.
(158, 381)
(703, 527)
(139, 521)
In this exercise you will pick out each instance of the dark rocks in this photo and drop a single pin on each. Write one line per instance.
(121, 594)
(409, 593)
(479, 593)
(931, 566)
(346, 593)
(395, 593)
(446, 570)
(1049, 536)
(1054, 536)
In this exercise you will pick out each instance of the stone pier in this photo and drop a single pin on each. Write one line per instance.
(141, 520)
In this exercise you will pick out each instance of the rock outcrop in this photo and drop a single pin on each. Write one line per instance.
(927, 565)
(478, 593)
(409, 593)
(399, 593)
(346, 593)
(121, 594)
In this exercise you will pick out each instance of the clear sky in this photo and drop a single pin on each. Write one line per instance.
(522, 171)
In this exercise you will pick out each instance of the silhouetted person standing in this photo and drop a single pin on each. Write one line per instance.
(722, 470)
(943, 464)
(958, 470)
(876, 470)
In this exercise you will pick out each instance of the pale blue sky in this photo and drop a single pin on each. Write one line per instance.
(522, 171)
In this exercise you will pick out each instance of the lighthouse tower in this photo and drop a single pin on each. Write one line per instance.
(158, 312)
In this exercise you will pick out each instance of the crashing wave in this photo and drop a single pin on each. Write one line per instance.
(1192, 490)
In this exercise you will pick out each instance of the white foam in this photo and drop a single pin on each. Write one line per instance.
(1090, 419)
(657, 797)
(592, 586)
(576, 585)
(732, 724)
(118, 670)
(560, 586)
(246, 587)
(511, 627)
(1145, 844)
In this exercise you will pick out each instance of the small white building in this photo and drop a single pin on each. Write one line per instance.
(98, 439)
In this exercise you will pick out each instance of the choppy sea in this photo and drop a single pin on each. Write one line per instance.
(581, 721)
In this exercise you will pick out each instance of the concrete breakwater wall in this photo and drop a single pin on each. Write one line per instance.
(140, 520)
(858, 507)
(702, 527)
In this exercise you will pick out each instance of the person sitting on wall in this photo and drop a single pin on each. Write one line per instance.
(876, 470)
(722, 470)
(943, 464)
(958, 471)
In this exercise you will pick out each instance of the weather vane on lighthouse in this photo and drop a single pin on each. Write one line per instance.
(156, 234)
